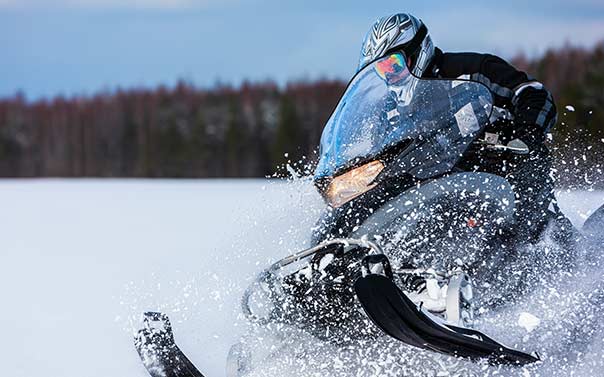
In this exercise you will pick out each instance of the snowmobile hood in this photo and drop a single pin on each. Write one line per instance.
(385, 106)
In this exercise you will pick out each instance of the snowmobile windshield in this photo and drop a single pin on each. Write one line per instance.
(384, 106)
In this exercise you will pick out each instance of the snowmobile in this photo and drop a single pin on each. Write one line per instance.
(406, 237)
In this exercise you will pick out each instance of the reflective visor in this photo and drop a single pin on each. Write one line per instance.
(392, 68)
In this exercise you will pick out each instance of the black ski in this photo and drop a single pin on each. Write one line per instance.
(392, 311)
(158, 351)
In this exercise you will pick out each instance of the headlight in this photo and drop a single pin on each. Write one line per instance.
(353, 183)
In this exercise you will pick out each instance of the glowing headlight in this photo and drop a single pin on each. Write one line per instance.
(353, 183)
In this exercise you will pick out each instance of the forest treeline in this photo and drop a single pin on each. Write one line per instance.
(245, 131)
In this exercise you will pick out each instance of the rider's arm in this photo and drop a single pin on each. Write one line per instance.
(526, 108)
(529, 102)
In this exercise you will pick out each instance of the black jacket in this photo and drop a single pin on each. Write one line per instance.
(524, 108)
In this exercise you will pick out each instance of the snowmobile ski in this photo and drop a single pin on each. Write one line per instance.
(158, 351)
(393, 312)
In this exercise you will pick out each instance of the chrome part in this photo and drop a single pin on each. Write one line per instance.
(516, 146)
(448, 296)
(460, 308)
(265, 282)
(363, 242)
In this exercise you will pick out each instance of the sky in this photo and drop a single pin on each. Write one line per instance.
(80, 47)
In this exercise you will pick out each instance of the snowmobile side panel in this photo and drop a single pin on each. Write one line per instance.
(158, 351)
(392, 311)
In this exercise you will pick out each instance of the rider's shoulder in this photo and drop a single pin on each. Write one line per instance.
(455, 64)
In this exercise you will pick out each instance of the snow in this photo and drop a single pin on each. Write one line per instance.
(528, 321)
(81, 259)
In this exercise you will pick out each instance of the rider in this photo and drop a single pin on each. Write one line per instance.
(523, 110)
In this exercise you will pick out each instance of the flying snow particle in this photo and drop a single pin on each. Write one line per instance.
(570, 108)
(528, 321)
(292, 172)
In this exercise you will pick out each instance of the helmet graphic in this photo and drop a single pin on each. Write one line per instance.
(398, 32)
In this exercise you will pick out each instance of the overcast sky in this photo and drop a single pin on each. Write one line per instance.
(83, 46)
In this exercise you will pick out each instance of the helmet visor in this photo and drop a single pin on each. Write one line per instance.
(392, 68)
